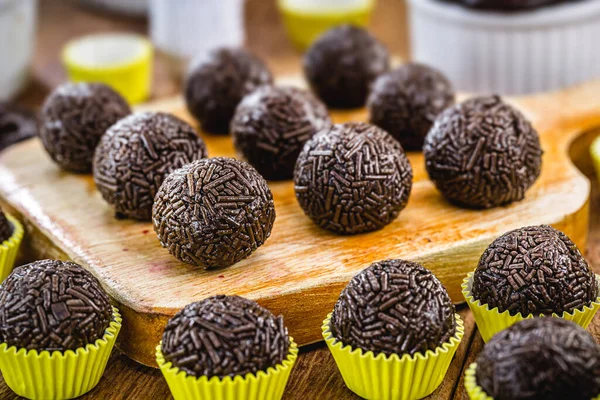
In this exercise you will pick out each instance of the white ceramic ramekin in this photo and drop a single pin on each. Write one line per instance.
(508, 53)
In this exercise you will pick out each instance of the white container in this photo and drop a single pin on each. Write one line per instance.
(508, 53)
(17, 39)
(183, 29)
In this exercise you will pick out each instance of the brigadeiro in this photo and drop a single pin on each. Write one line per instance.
(225, 336)
(406, 101)
(341, 65)
(534, 270)
(72, 120)
(541, 358)
(352, 178)
(52, 305)
(213, 212)
(217, 82)
(482, 153)
(16, 124)
(272, 124)
(6, 229)
(394, 307)
(136, 154)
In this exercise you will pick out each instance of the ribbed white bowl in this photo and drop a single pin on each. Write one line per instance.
(508, 53)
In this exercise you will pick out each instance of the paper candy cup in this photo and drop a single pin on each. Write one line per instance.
(260, 386)
(9, 248)
(489, 322)
(392, 377)
(58, 375)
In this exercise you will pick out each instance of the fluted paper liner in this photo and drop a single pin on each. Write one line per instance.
(392, 377)
(489, 322)
(9, 248)
(475, 391)
(260, 386)
(60, 375)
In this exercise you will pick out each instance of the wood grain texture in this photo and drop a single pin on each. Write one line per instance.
(301, 269)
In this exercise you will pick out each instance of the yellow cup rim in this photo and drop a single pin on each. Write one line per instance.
(17, 234)
(325, 12)
(446, 347)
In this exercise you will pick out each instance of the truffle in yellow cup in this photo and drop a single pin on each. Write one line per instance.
(10, 247)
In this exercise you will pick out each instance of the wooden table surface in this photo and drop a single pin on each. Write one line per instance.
(315, 375)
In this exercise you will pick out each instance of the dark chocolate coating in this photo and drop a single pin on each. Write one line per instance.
(136, 154)
(225, 336)
(74, 117)
(482, 153)
(341, 65)
(272, 124)
(52, 305)
(509, 5)
(213, 212)
(217, 82)
(534, 270)
(352, 178)
(16, 124)
(6, 229)
(540, 358)
(406, 101)
(394, 307)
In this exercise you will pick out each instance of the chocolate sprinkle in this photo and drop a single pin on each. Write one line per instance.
(394, 307)
(6, 229)
(52, 305)
(534, 270)
(342, 63)
(135, 156)
(213, 212)
(482, 153)
(218, 81)
(509, 5)
(225, 336)
(74, 117)
(352, 178)
(541, 358)
(406, 101)
(16, 124)
(272, 124)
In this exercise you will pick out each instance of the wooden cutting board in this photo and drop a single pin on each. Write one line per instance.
(301, 269)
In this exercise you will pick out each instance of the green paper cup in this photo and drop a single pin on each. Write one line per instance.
(9, 248)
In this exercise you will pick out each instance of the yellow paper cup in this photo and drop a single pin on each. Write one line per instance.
(58, 375)
(393, 377)
(122, 61)
(595, 153)
(489, 322)
(10, 248)
(260, 386)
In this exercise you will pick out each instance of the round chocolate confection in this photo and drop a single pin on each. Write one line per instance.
(74, 117)
(540, 358)
(225, 336)
(52, 305)
(394, 307)
(509, 5)
(534, 270)
(482, 153)
(16, 124)
(218, 81)
(6, 229)
(213, 212)
(272, 124)
(136, 154)
(341, 65)
(352, 178)
(406, 101)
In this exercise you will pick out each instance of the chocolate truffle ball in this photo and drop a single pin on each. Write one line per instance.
(213, 212)
(540, 358)
(6, 229)
(406, 101)
(272, 124)
(136, 154)
(394, 307)
(341, 65)
(74, 117)
(225, 336)
(218, 81)
(534, 270)
(482, 153)
(16, 124)
(52, 305)
(352, 178)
